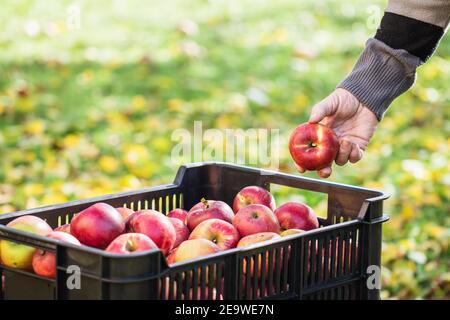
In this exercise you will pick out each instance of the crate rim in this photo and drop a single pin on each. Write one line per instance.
(380, 195)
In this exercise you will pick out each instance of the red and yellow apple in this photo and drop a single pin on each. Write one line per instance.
(257, 238)
(290, 232)
(209, 209)
(195, 248)
(313, 146)
(181, 230)
(44, 262)
(156, 226)
(222, 233)
(294, 215)
(64, 228)
(170, 258)
(20, 256)
(131, 242)
(125, 212)
(253, 195)
(179, 214)
(255, 218)
(97, 225)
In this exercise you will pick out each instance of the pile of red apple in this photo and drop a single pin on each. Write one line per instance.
(208, 227)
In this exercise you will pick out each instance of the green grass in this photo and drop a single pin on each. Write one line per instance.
(91, 111)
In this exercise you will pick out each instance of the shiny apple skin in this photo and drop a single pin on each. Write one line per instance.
(155, 225)
(222, 233)
(97, 225)
(17, 255)
(128, 243)
(255, 218)
(257, 238)
(178, 213)
(253, 195)
(313, 146)
(210, 209)
(295, 215)
(44, 262)
(125, 212)
(170, 258)
(181, 230)
(291, 232)
(195, 248)
(64, 228)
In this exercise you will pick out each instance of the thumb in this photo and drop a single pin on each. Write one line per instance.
(323, 109)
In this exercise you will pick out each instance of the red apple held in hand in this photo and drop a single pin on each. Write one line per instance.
(313, 146)
(290, 232)
(64, 228)
(222, 233)
(179, 214)
(44, 262)
(294, 215)
(255, 218)
(209, 209)
(97, 225)
(20, 256)
(181, 230)
(156, 226)
(253, 195)
(125, 212)
(195, 248)
(131, 242)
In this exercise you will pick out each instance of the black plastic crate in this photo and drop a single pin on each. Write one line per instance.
(325, 263)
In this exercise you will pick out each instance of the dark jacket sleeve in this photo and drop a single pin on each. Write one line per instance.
(408, 34)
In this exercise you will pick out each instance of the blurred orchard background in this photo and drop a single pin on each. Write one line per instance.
(91, 91)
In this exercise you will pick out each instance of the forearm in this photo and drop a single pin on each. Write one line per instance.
(407, 37)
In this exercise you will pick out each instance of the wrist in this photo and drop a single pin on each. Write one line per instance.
(380, 75)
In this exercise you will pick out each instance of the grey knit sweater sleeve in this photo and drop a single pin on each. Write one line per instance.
(408, 35)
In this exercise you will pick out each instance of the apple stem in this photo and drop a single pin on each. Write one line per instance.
(130, 246)
(205, 202)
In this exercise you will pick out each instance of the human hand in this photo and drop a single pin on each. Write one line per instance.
(353, 123)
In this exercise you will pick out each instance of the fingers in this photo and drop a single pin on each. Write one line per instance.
(323, 109)
(348, 151)
(325, 172)
(344, 152)
(356, 154)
